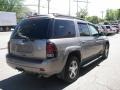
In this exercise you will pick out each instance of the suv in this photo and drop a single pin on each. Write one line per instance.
(55, 44)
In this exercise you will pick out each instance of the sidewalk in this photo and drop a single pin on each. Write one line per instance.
(4, 37)
(3, 46)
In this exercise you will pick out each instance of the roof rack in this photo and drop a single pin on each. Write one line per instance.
(56, 15)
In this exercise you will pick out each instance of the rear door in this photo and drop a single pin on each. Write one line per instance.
(86, 41)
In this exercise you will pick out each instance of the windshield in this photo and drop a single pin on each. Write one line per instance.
(32, 28)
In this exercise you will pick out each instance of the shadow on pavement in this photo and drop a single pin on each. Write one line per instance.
(85, 70)
(24, 82)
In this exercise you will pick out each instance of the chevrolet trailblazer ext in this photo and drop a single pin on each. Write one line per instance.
(55, 44)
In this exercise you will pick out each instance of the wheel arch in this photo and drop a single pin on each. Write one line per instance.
(76, 53)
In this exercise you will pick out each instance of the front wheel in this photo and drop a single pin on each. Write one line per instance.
(72, 69)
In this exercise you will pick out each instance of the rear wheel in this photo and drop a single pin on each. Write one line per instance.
(72, 69)
(106, 52)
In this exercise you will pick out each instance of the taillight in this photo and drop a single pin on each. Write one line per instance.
(51, 50)
(9, 47)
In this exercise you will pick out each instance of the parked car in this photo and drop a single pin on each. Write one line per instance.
(55, 44)
(100, 29)
(116, 26)
(109, 29)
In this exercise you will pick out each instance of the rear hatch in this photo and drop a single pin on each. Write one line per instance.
(30, 37)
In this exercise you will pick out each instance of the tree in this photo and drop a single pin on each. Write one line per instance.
(14, 6)
(93, 19)
(109, 15)
(10, 5)
(112, 15)
(118, 14)
(82, 13)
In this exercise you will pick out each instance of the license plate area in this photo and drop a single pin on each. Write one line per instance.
(24, 48)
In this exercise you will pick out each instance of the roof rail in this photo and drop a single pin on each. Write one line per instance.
(56, 15)
(66, 16)
(37, 16)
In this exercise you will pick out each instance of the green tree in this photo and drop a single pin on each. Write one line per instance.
(14, 6)
(93, 19)
(118, 14)
(111, 15)
(10, 5)
(82, 13)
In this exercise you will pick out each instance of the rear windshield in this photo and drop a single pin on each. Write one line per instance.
(32, 28)
(108, 27)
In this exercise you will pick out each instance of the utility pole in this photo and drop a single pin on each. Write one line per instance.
(48, 6)
(69, 7)
(77, 6)
(102, 12)
(38, 6)
(87, 5)
(82, 2)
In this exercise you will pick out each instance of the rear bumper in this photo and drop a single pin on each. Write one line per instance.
(43, 67)
(111, 32)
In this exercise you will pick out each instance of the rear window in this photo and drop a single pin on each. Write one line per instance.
(108, 27)
(32, 28)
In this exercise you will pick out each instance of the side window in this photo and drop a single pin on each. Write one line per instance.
(93, 30)
(64, 29)
(83, 29)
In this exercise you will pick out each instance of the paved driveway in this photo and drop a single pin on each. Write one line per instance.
(100, 75)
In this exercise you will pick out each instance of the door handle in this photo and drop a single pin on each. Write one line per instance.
(96, 41)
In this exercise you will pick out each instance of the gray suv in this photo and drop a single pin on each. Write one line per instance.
(55, 44)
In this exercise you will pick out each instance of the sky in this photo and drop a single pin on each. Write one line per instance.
(95, 7)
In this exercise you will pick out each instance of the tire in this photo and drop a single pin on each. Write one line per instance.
(72, 69)
(106, 52)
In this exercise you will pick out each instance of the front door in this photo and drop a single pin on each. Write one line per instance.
(98, 44)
